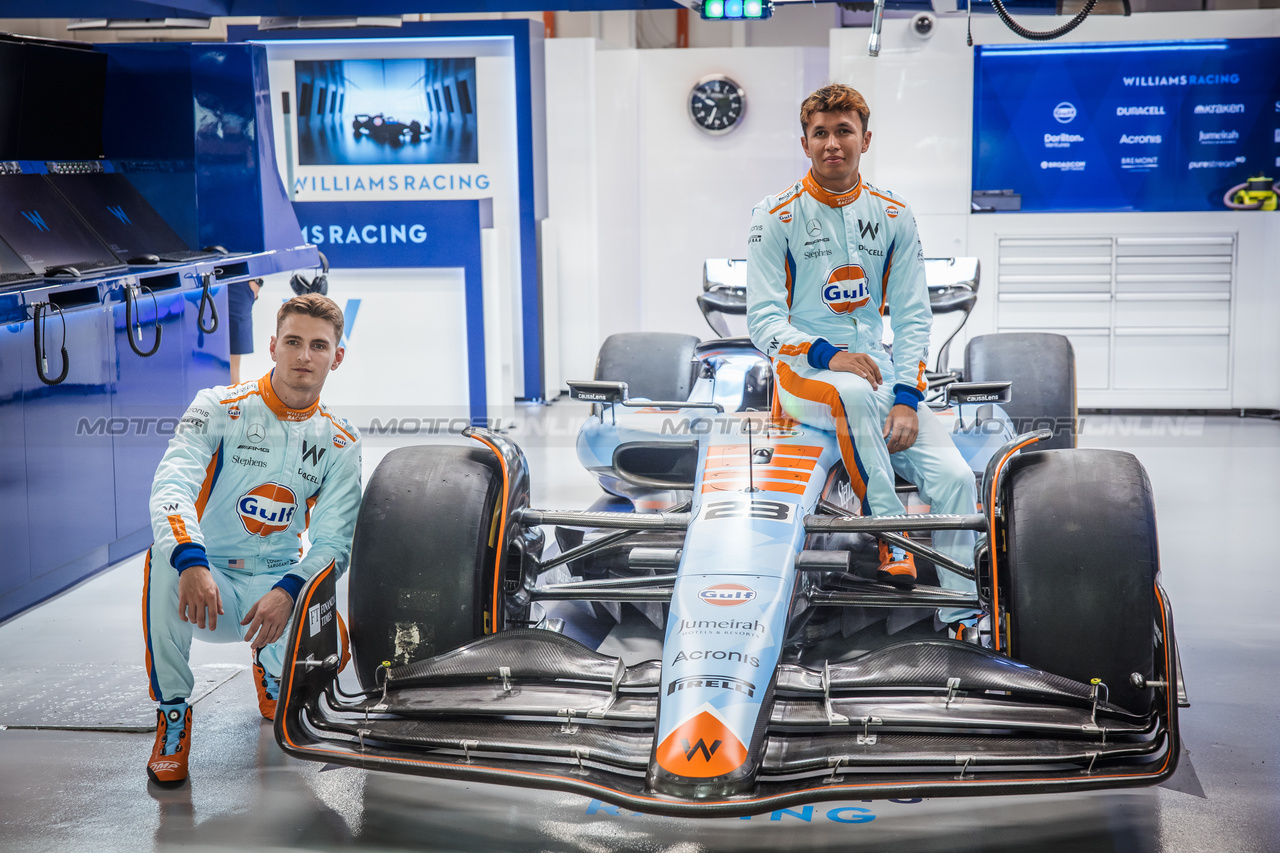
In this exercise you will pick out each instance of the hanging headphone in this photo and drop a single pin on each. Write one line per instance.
(320, 284)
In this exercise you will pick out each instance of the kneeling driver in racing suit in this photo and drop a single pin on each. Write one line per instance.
(826, 258)
(250, 468)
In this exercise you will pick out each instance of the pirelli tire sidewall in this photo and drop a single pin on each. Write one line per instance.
(422, 561)
(1080, 562)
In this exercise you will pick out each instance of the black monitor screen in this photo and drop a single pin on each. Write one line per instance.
(10, 98)
(62, 102)
(119, 214)
(43, 229)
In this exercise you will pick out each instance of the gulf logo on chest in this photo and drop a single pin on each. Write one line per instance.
(267, 509)
(846, 289)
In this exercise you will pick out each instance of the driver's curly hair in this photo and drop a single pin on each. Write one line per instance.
(834, 98)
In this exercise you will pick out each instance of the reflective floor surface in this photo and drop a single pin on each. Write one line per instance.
(1218, 497)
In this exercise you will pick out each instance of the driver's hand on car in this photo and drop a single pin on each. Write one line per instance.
(857, 363)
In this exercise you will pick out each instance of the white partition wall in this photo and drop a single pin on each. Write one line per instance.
(641, 196)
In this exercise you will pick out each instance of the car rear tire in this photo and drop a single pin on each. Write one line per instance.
(1042, 367)
(1081, 559)
(655, 365)
(421, 560)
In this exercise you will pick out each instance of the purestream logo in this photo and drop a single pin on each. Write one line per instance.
(1216, 164)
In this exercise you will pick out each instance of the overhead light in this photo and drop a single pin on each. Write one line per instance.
(138, 24)
(335, 22)
(736, 10)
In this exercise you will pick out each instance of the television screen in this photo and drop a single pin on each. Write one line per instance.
(363, 112)
(1145, 126)
(62, 103)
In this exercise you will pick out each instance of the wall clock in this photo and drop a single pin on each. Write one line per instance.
(716, 104)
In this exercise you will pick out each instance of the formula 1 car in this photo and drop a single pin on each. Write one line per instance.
(386, 129)
(780, 679)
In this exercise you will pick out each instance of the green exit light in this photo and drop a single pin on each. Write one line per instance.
(713, 9)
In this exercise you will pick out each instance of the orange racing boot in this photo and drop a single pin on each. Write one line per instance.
(268, 689)
(168, 764)
(897, 566)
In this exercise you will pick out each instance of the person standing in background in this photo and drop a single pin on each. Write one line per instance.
(240, 298)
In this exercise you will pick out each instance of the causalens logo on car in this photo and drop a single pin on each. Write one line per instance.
(267, 509)
(727, 594)
(846, 289)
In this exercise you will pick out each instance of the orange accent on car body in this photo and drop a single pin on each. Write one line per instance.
(701, 747)
(492, 623)
(995, 574)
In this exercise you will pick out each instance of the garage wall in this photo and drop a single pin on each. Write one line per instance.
(641, 196)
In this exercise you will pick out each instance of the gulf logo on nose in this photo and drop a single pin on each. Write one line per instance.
(727, 594)
(267, 509)
(846, 289)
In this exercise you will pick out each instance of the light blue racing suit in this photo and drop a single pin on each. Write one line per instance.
(822, 270)
(244, 476)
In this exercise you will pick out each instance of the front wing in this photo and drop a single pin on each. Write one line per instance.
(533, 708)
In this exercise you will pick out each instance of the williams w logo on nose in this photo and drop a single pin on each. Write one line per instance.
(34, 217)
(312, 452)
(700, 746)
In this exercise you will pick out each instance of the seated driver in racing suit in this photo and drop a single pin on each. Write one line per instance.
(250, 468)
(827, 257)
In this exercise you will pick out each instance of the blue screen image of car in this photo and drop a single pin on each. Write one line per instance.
(365, 112)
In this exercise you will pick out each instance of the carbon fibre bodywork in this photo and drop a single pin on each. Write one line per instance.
(738, 716)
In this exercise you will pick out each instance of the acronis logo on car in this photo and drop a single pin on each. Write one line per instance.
(846, 289)
(267, 509)
(727, 594)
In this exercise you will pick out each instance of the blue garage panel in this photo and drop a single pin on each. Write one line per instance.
(15, 363)
(150, 395)
(70, 473)
(207, 355)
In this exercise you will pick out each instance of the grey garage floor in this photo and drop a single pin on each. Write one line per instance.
(1217, 485)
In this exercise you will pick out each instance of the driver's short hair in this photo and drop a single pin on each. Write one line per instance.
(313, 305)
(834, 98)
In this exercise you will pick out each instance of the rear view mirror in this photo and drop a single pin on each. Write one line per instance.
(960, 393)
(597, 391)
